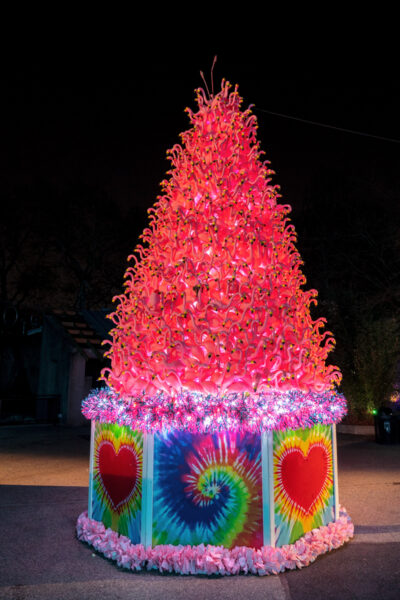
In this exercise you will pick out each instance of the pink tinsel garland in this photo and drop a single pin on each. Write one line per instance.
(210, 560)
(203, 413)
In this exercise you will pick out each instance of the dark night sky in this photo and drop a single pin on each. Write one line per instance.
(106, 117)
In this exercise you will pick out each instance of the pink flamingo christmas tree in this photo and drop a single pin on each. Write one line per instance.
(215, 304)
(214, 336)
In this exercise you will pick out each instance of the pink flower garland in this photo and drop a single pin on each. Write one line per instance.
(210, 560)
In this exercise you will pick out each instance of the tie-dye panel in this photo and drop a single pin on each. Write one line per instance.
(208, 489)
(117, 479)
(303, 481)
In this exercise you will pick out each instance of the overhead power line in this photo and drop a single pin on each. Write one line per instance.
(376, 137)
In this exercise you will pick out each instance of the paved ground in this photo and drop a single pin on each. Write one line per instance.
(44, 476)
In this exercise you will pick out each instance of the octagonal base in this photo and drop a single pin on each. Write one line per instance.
(226, 488)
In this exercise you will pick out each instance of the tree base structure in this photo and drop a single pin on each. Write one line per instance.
(223, 502)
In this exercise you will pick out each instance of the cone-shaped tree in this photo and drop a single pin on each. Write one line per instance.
(215, 303)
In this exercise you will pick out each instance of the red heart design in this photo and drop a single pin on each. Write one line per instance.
(303, 477)
(117, 472)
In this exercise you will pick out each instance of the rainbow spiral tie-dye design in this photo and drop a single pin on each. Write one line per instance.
(208, 489)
